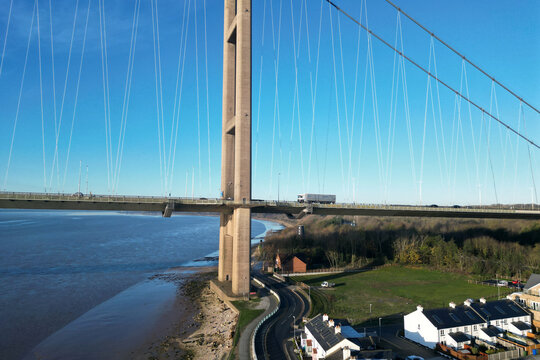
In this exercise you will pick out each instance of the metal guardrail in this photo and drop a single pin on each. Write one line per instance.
(253, 353)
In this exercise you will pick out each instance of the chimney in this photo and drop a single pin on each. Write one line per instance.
(419, 308)
(325, 317)
(331, 323)
(337, 329)
(346, 353)
(468, 302)
(483, 300)
(452, 305)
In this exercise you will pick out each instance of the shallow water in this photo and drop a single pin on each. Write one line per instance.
(57, 265)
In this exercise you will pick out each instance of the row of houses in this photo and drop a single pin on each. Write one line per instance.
(454, 326)
(457, 325)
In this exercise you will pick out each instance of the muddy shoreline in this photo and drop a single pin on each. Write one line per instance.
(204, 329)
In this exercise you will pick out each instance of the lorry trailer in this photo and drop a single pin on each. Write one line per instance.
(317, 198)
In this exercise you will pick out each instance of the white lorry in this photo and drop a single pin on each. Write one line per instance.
(317, 198)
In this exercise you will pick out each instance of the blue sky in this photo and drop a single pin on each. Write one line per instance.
(462, 158)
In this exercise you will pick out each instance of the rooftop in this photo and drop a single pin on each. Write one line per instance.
(498, 309)
(534, 280)
(324, 334)
(520, 325)
(490, 331)
(459, 337)
(444, 318)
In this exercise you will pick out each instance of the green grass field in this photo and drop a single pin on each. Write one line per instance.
(392, 291)
(247, 315)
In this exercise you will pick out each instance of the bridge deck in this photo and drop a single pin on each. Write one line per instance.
(10, 200)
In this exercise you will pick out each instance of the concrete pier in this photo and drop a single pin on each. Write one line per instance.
(235, 227)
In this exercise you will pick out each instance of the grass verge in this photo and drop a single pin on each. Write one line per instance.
(246, 315)
(392, 291)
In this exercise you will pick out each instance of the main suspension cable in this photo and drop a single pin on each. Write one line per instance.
(436, 78)
(461, 55)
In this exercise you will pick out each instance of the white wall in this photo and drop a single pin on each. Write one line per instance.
(515, 330)
(451, 342)
(315, 345)
(506, 324)
(489, 339)
(419, 329)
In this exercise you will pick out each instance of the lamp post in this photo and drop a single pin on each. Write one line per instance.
(278, 177)
(380, 327)
(293, 329)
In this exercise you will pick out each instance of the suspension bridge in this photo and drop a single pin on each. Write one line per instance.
(459, 159)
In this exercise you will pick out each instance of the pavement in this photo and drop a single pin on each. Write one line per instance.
(269, 302)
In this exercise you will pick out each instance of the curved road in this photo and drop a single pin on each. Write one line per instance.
(271, 339)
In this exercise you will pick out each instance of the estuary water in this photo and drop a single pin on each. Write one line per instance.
(57, 265)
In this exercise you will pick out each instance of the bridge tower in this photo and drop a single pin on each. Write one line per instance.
(235, 227)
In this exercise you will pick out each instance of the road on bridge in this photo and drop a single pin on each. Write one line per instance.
(271, 341)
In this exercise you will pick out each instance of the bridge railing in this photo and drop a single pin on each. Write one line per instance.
(256, 203)
(104, 198)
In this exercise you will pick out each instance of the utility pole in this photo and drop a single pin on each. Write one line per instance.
(278, 177)
(79, 188)
(420, 191)
(185, 194)
(480, 194)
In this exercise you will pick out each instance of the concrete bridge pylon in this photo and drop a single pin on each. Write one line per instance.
(235, 226)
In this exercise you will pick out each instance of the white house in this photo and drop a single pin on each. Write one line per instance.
(489, 334)
(325, 337)
(429, 327)
(456, 325)
(505, 314)
(457, 340)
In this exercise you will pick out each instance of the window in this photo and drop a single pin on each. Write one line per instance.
(442, 332)
(418, 326)
(475, 328)
(499, 310)
(468, 313)
(486, 312)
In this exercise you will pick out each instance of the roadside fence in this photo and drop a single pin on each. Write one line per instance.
(253, 353)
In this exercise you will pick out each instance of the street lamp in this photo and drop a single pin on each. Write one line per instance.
(293, 329)
(278, 177)
(380, 327)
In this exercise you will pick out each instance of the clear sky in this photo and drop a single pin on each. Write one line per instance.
(330, 113)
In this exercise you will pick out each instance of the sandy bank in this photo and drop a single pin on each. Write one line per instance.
(205, 329)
